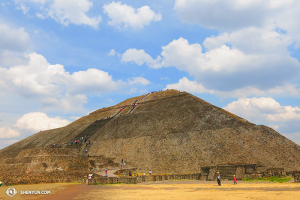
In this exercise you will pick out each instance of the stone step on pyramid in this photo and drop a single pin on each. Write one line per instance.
(91, 129)
(85, 151)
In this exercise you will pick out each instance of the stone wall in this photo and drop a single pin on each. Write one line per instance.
(47, 177)
(140, 179)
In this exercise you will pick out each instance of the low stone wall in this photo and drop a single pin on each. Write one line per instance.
(140, 179)
(50, 177)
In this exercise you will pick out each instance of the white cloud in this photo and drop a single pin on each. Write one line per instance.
(75, 117)
(184, 84)
(267, 111)
(222, 67)
(138, 80)
(52, 86)
(263, 109)
(252, 41)
(14, 42)
(111, 53)
(38, 121)
(273, 126)
(129, 16)
(110, 100)
(66, 11)
(23, 8)
(6, 133)
(232, 15)
(91, 80)
(132, 90)
(140, 57)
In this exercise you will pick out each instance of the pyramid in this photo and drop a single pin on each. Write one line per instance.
(165, 132)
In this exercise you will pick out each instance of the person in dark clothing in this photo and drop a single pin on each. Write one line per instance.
(219, 178)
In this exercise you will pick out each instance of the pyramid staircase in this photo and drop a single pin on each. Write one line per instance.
(87, 147)
(91, 129)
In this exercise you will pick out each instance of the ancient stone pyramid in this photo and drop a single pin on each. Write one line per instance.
(166, 132)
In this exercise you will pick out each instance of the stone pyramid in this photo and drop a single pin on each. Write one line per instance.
(165, 132)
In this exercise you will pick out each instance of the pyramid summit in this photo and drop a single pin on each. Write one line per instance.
(167, 132)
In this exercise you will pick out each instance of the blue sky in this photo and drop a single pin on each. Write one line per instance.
(62, 59)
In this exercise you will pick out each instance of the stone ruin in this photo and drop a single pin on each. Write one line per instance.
(252, 171)
(167, 132)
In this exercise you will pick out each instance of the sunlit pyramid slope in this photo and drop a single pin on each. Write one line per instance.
(166, 132)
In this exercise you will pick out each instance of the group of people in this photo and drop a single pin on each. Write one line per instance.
(219, 179)
(85, 178)
(82, 140)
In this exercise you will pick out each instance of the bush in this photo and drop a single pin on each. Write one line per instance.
(273, 179)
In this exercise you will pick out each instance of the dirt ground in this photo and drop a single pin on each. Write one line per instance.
(162, 190)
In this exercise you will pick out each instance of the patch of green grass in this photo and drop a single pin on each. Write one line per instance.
(273, 179)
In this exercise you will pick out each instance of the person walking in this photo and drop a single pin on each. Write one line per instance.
(150, 172)
(106, 171)
(219, 178)
(234, 180)
(89, 180)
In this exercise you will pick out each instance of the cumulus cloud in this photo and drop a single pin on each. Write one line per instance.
(6, 133)
(252, 41)
(138, 80)
(52, 86)
(233, 15)
(65, 11)
(263, 109)
(222, 67)
(184, 84)
(91, 80)
(267, 111)
(38, 121)
(127, 16)
(140, 57)
(14, 42)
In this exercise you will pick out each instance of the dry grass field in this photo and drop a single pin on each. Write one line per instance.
(189, 190)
